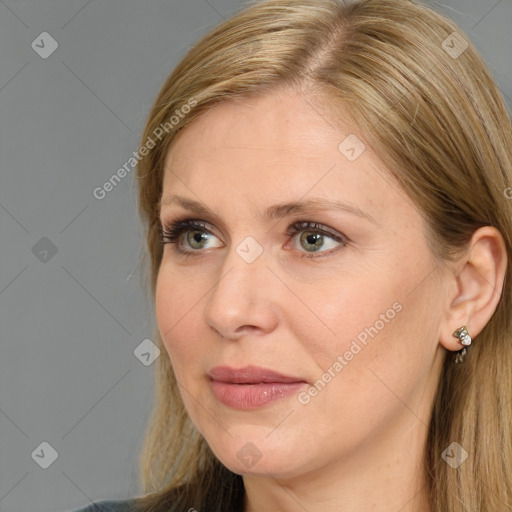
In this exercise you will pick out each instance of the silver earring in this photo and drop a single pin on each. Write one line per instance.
(465, 340)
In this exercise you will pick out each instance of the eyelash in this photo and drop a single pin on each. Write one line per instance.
(171, 234)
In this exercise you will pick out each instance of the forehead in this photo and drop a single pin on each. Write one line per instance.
(278, 123)
(275, 147)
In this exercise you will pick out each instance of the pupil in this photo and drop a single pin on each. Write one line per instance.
(311, 239)
(196, 235)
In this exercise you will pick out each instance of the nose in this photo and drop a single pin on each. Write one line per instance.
(243, 300)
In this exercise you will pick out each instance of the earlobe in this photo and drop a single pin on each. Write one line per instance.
(479, 282)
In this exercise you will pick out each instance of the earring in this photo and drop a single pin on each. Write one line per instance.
(465, 339)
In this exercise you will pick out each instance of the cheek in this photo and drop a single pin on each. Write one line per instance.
(386, 340)
(373, 314)
(176, 309)
(355, 307)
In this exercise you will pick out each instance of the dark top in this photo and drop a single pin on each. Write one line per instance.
(109, 506)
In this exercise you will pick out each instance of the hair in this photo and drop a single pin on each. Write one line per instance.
(440, 125)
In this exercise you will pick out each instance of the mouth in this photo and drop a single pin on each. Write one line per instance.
(252, 386)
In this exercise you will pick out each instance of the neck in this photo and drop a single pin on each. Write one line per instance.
(384, 475)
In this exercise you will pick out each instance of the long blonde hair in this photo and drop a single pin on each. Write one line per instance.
(431, 110)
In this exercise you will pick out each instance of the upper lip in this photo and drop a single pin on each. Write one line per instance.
(249, 375)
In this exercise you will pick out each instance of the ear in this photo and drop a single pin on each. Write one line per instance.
(478, 278)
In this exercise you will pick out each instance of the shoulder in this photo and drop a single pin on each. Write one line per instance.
(109, 506)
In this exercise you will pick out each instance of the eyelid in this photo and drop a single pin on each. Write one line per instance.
(293, 228)
(184, 224)
(178, 218)
(304, 225)
(295, 220)
(182, 217)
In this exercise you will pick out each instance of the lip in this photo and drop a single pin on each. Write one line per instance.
(252, 386)
(250, 375)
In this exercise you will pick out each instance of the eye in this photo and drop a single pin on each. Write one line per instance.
(196, 233)
(313, 236)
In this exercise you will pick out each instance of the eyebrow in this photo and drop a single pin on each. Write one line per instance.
(277, 211)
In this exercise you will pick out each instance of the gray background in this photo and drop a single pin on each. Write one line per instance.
(70, 321)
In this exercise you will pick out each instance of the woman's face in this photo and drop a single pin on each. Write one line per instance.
(348, 306)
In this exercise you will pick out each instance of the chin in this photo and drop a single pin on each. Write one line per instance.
(252, 451)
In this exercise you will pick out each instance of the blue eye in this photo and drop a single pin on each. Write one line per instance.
(196, 234)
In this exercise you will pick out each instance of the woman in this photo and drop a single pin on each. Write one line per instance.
(326, 191)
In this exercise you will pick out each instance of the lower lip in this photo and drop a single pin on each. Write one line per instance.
(252, 396)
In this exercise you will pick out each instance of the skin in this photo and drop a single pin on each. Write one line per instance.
(357, 444)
